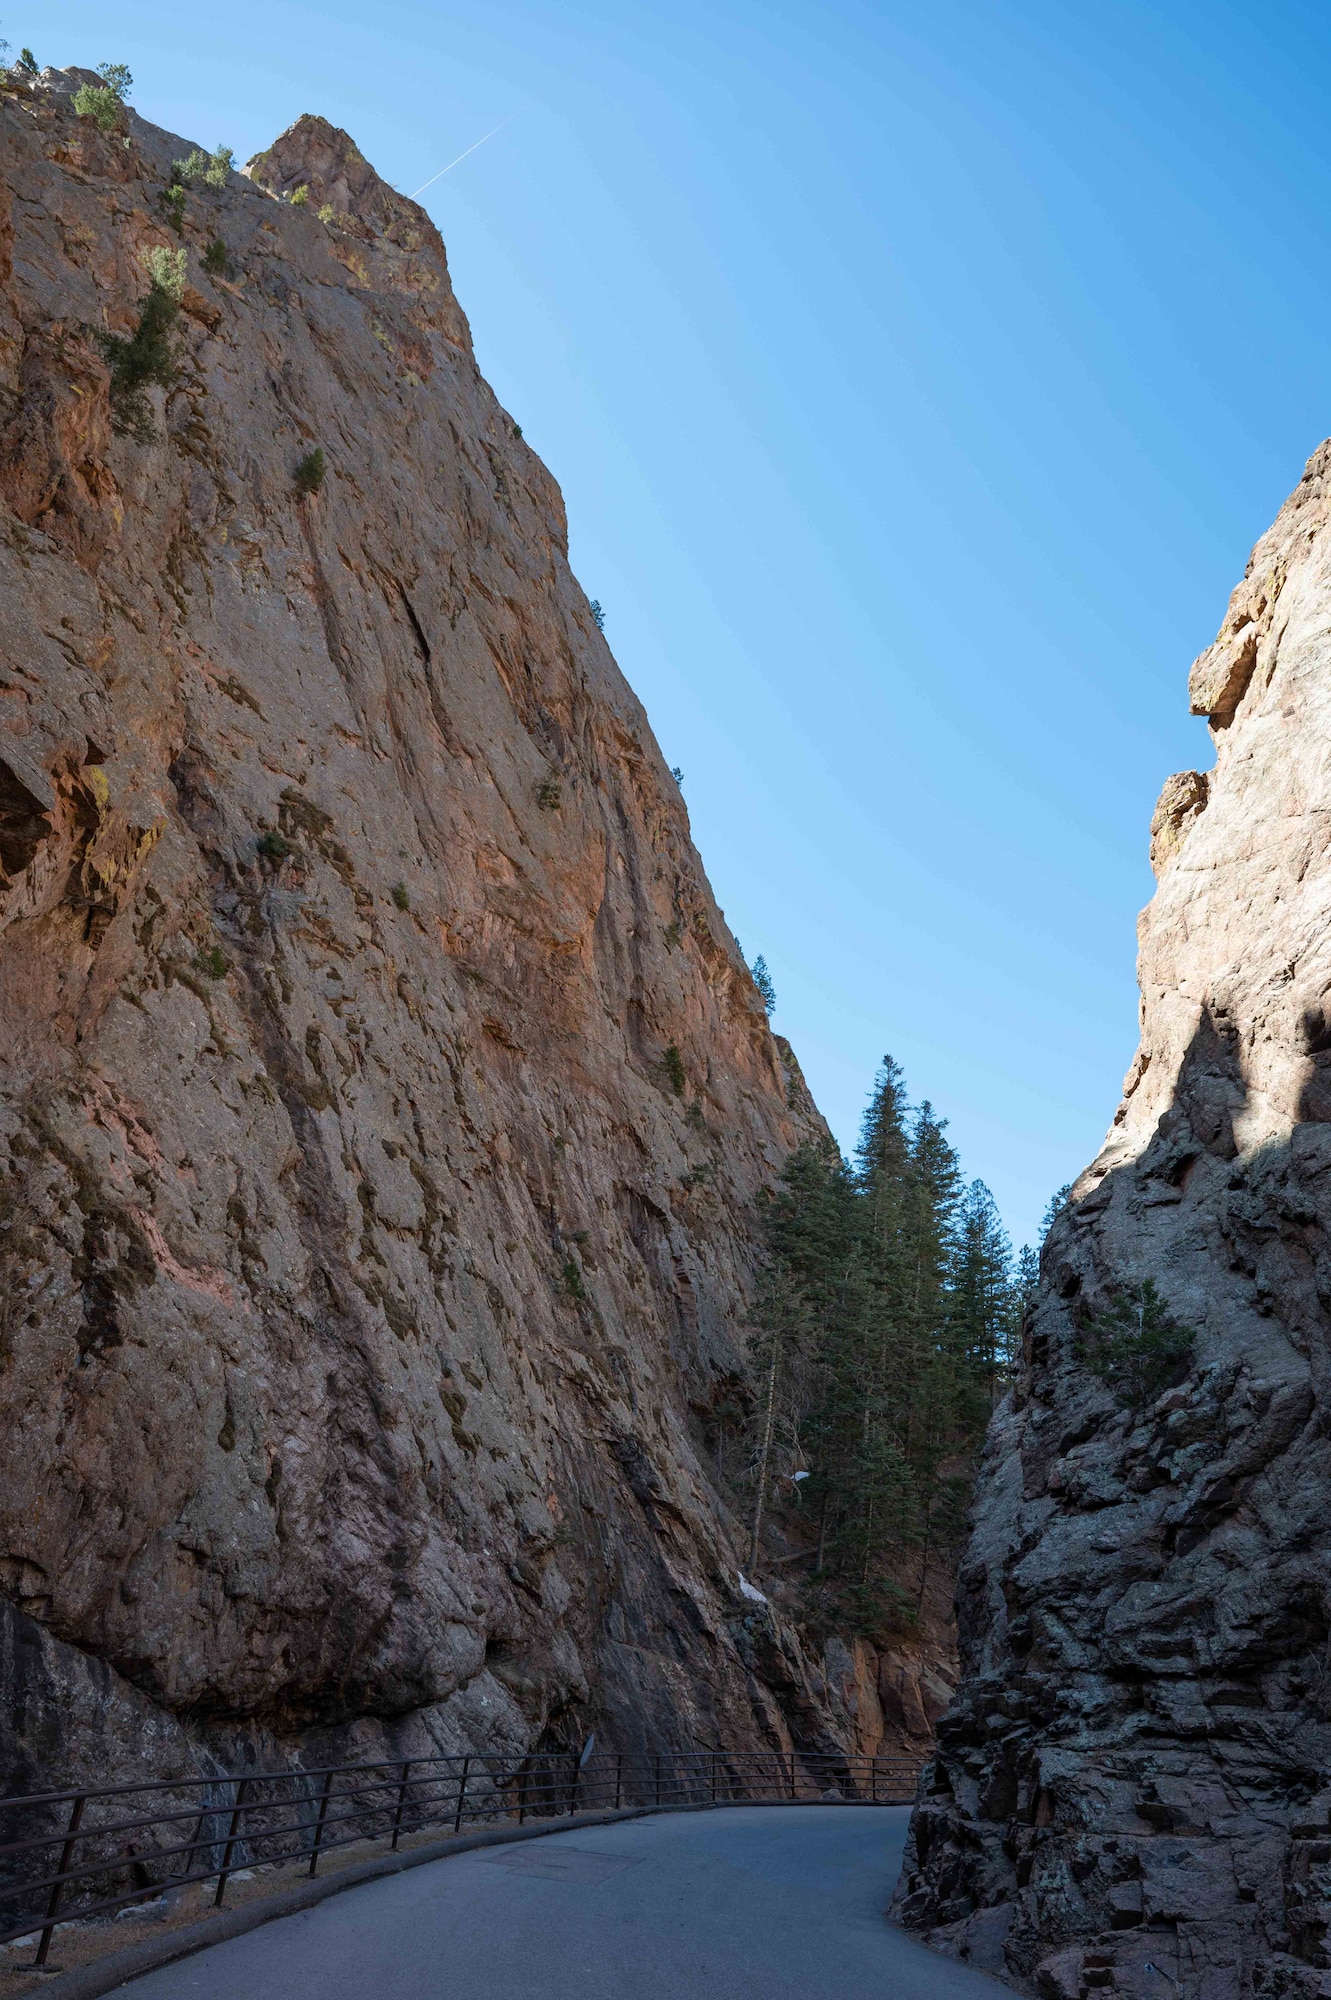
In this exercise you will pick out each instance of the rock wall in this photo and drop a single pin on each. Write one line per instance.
(385, 1103)
(1133, 1792)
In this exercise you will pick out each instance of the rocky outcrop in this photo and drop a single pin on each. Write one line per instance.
(1132, 1791)
(385, 1104)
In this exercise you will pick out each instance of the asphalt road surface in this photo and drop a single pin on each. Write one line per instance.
(752, 1903)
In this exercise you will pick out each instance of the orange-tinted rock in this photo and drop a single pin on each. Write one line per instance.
(365, 1283)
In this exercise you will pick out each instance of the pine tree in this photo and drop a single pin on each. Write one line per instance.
(880, 1503)
(1058, 1201)
(982, 1292)
(885, 1180)
(810, 1312)
(1025, 1291)
(1027, 1273)
(887, 1316)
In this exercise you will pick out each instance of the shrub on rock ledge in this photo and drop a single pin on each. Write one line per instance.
(309, 474)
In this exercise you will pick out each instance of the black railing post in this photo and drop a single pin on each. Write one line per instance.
(792, 1774)
(319, 1823)
(462, 1793)
(401, 1801)
(197, 1841)
(56, 1896)
(573, 1789)
(237, 1808)
(712, 1761)
(658, 1777)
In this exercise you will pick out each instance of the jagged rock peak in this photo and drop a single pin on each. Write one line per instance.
(356, 207)
(1131, 1791)
(328, 163)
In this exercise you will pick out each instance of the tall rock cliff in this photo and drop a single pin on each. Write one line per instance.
(1134, 1791)
(385, 1104)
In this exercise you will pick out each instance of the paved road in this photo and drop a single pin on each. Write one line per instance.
(754, 1903)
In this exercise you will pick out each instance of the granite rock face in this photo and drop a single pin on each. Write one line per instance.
(385, 1103)
(1133, 1791)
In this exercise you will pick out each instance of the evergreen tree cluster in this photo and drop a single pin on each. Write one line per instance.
(890, 1312)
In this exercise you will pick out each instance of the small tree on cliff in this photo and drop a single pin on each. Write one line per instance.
(104, 103)
(147, 355)
(1135, 1344)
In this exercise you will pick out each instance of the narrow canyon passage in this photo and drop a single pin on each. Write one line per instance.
(765, 1901)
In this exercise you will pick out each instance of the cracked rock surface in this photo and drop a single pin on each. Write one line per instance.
(1131, 1792)
(369, 1286)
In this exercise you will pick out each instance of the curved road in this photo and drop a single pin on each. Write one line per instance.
(751, 1903)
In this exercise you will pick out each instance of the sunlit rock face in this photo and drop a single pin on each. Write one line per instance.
(373, 1276)
(1133, 1790)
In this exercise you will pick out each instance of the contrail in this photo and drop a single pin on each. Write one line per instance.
(462, 156)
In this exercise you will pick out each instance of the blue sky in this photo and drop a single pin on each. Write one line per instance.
(918, 380)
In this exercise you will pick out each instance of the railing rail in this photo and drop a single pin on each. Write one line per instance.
(75, 1854)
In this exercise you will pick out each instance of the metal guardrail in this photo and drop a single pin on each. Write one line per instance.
(70, 1855)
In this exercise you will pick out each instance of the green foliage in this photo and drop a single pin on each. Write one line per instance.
(310, 473)
(598, 616)
(1026, 1271)
(549, 795)
(103, 106)
(216, 259)
(299, 197)
(673, 934)
(147, 356)
(214, 963)
(171, 201)
(192, 168)
(888, 1316)
(117, 78)
(1057, 1202)
(273, 846)
(401, 896)
(1026, 1280)
(1135, 1345)
(28, 61)
(677, 775)
(762, 979)
(517, 430)
(210, 168)
(570, 1279)
(672, 1070)
(166, 271)
(990, 1291)
(328, 215)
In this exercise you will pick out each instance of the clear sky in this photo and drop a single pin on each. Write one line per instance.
(918, 378)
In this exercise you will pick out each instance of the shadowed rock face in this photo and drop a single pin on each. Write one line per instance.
(367, 1286)
(1131, 1792)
